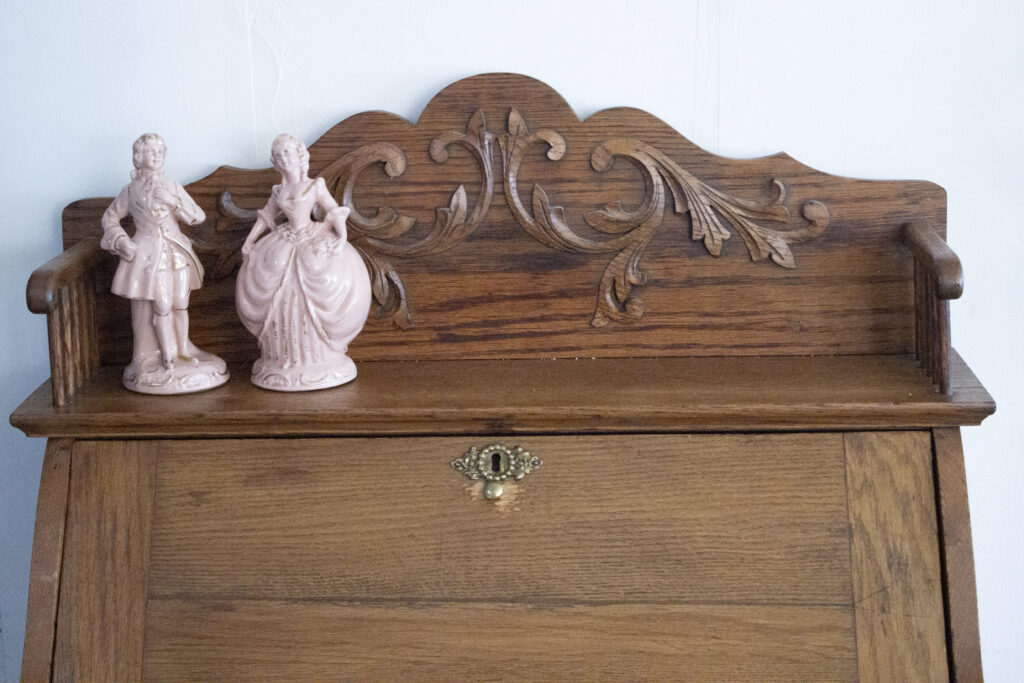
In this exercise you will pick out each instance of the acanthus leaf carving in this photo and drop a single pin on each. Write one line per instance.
(629, 230)
(385, 224)
(341, 176)
(387, 288)
(710, 211)
(222, 237)
(379, 236)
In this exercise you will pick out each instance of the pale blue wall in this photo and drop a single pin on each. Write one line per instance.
(871, 89)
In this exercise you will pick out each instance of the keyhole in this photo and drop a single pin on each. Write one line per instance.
(496, 462)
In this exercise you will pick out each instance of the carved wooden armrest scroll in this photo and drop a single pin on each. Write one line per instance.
(938, 277)
(65, 290)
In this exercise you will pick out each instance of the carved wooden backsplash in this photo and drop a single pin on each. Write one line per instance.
(577, 253)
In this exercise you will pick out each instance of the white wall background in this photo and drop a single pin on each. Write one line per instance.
(875, 89)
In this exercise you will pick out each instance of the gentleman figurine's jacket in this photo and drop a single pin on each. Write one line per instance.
(157, 236)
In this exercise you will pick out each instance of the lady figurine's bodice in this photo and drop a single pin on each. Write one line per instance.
(297, 204)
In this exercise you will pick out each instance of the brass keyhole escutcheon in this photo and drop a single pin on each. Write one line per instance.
(496, 464)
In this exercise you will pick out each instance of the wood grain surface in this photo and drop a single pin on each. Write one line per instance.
(100, 628)
(794, 556)
(750, 519)
(217, 640)
(936, 258)
(938, 277)
(957, 557)
(483, 283)
(68, 267)
(563, 396)
(65, 289)
(47, 553)
(897, 580)
(589, 290)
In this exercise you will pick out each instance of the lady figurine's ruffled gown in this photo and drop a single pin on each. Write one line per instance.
(303, 290)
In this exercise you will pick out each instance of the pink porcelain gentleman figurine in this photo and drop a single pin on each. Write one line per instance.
(158, 271)
(303, 290)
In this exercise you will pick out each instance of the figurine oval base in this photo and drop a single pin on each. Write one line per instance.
(186, 377)
(278, 377)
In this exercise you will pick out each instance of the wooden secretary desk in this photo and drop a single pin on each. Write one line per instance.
(732, 381)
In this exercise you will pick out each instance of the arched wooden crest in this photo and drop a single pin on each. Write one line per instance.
(499, 225)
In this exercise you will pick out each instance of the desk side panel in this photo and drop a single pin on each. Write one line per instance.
(47, 553)
(100, 628)
(961, 593)
(897, 581)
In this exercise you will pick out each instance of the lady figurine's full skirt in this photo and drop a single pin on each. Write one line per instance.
(303, 290)
(305, 297)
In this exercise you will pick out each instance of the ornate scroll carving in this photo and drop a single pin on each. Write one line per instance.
(380, 236)
(386, 224)
(631, 230)
(714, 215)
(222, 237)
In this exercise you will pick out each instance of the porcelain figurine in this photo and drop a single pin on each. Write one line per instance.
(158, 271)
(303, 290)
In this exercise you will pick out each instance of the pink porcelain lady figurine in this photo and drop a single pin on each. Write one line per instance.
(303, 290)
(158, 270)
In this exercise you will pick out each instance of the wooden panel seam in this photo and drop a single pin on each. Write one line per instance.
(154, 490)
(47, 562)
(849, 536)
(900, 618)
(959, 592)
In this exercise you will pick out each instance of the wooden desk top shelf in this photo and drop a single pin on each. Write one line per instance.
(736, 373)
